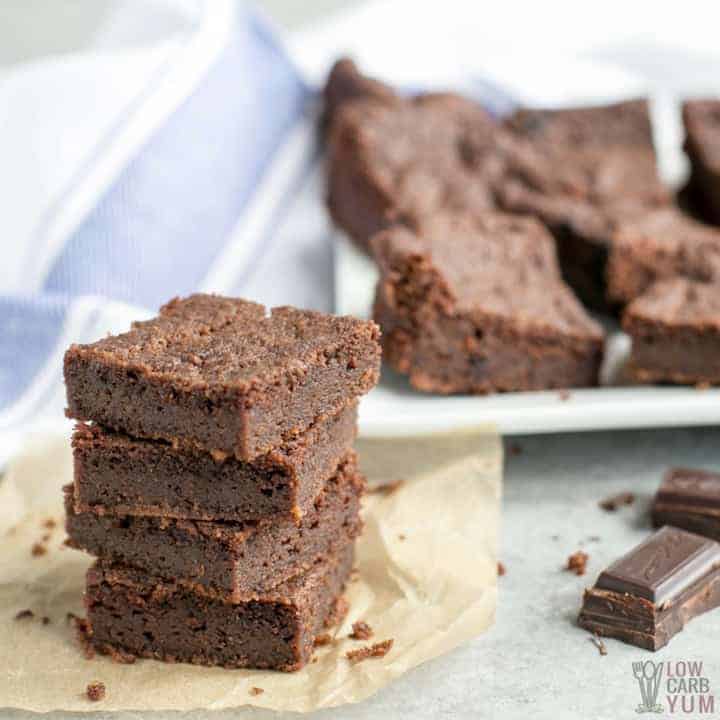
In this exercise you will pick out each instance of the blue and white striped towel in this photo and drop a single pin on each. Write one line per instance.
(182, 190)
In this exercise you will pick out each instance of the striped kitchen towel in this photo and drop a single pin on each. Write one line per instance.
(154, 170)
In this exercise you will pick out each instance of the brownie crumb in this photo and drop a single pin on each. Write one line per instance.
(26, 614)
(322, 640)
(387, 488)
(378, 650)
(116, 655)
(71, 617)
(95, 691)
(256, 691)
(50, 524)
(501, 569)
(340, 611)
(599, 644)
(611, 504)
(564, 395)
(45, 620)
(83, 632)
(402, 536)
(45, 538)
(361, 631)
(38, 549)
(577, 562)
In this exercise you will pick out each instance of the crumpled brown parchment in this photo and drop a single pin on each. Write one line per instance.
(426, 578)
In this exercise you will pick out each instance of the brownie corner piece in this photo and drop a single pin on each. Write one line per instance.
(675, 332)
(221, 374)
(391, 162)
(345, 82)
(135, 614)
(476, 304)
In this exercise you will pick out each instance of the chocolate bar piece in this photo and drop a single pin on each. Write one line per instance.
(119, 475)
(234, 561)
(223, 375)
(647, 596)
(689, 499)
(131, 613)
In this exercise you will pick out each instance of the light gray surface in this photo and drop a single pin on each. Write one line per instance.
(535, 662)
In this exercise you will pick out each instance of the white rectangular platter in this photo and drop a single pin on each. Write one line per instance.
(395, 407)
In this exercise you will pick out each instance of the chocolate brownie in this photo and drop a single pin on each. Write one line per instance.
(675, 331)
(345, 82)
(473, 304)
(661, 244)
(120, 475)
(702, 145)
(136, 614)
(581, 171)
(649, 595)
(395, 162)
(231, 560)
(221, 374)
(689, 499)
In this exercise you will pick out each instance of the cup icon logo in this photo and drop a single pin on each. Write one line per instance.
(648, 674)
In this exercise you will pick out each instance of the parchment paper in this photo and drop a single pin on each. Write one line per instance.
(426, 578)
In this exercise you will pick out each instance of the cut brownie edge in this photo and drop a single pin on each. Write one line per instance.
(139, 615)
(675, 331)
(111, 475)
(226, 560)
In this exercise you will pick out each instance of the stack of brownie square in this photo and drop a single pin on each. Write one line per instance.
(215, 479)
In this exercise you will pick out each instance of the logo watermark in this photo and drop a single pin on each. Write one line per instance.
(678, 686)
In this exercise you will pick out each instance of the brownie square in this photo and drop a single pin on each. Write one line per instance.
(395, 162)
(228, 559)
(675, 331)
(581, 171)
(661, 244)
(221, 374)
(477, 305)
(132, 613)
(120, 475)
(689, 499)
(701, 118)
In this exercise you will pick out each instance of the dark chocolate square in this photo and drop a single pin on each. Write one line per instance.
(647, 596)
(689, 499)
